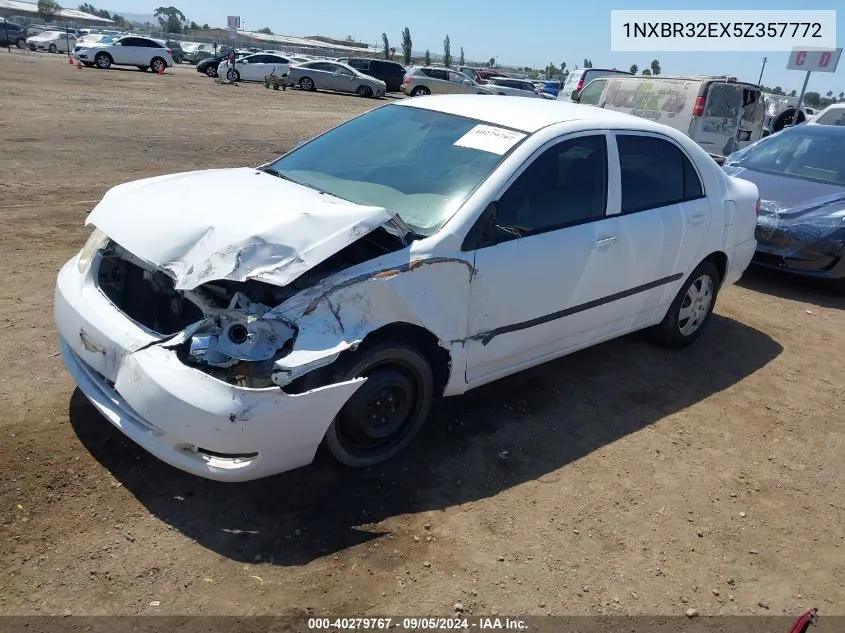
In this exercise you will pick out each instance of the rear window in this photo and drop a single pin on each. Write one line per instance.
(387, 67)
(593, 74)
(723, 101)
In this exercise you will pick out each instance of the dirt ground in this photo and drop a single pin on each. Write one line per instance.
(623, 479)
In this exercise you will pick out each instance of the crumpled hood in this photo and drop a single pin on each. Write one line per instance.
(234, 224)
(794, 211)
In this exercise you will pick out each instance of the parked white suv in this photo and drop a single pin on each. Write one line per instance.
(255, 67)
(143, 52)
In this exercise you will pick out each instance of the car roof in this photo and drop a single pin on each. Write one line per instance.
(815, 130)
(519, 113)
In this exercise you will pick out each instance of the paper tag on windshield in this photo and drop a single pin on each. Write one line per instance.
(486, 138)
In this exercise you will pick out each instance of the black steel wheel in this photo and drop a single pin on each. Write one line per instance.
(387, 411)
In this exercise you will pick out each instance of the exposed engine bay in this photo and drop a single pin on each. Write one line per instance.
(219, 327)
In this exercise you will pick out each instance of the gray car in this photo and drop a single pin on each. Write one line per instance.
(325, 75)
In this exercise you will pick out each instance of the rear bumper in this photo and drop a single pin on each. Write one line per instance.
(739, 258)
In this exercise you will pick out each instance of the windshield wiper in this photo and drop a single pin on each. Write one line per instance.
(275, 172)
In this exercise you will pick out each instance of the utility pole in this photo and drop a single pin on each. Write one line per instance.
(760, 81)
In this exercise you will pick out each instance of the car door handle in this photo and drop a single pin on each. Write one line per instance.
(696, 218)
(605, 241)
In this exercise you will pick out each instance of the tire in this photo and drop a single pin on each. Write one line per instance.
(691, 310)
(143, 69)
(233, 75)
(211, 71)
(103, 61)
(20, 43)
(420, 91)
(53, 49)
(307, 84)
(157, 64)
(177, 60)
(364, 92)
(398, 377)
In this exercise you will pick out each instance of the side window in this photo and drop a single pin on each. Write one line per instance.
(566, 184)
(456, 77)
(655, 173)
(591, 94)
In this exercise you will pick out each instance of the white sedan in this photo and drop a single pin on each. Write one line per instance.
(52, 41)
(331, 295)
(255, 67)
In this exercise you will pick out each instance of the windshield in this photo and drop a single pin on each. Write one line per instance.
(809, 156)
(834, 116)
(417, 163)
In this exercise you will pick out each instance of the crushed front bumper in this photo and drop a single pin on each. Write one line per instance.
(181, 415)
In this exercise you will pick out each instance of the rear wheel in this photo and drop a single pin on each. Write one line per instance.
(420, 91)
(158, 64)
(364, 91)
(306, 83)
(387, 411)
(691, 309)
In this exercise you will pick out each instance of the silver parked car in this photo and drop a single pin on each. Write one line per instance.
(323, 75)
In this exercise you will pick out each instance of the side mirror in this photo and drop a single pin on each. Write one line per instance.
(576, 97)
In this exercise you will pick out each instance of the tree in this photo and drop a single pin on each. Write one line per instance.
(462, 60)
(777, 90)
(385, 43)
(171, 19)
(205, 27)
(551, 70)
(588, 63)
(655, 67)
(492, 62)
(406, 46)
(812, 98)
(120, 20)
(793, 93)
(633, 69)
(427, 61)
(841, 96)
(266, 30)
(447, 52)
(646, 71)
(829, 93)
(48, 9)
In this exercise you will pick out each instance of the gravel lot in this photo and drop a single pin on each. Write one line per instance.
(623, 479)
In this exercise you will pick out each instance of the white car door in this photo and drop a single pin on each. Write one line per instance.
(121, 51)
(664, 220)
(551, 277)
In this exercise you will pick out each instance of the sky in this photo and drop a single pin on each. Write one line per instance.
(521, 33)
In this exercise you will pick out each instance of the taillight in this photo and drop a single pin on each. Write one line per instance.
(757, 207)
(580, 85)
(407, 79)
(169, 52)
(698, 109)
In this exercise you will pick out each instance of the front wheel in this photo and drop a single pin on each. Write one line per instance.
(387, 411)
(233, 75)
(211, 71)
(21, 43)
(103, 61)
(53, 48)
(691, 309)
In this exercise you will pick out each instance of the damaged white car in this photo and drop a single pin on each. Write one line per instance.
(330, 296)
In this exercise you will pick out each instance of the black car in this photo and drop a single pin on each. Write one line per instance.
(800, 173)
(391, 73)
(12, 34)
(208, 66)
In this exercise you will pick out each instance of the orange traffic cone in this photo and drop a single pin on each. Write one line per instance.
(70, 60)
(161, 70)
(78, 64)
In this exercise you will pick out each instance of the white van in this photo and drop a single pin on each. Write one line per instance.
(580, 77)
(721, 114)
